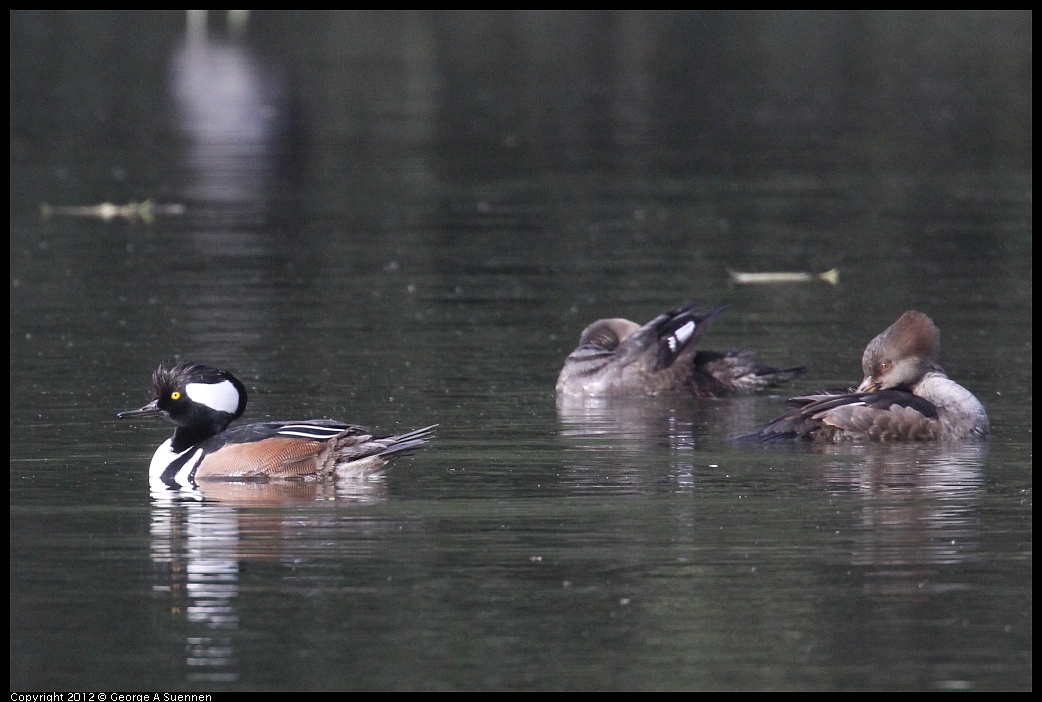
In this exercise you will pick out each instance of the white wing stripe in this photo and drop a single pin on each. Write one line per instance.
(309, 431)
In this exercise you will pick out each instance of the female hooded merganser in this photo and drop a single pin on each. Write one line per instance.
(905, 396)
(202, 402)
(620, 357)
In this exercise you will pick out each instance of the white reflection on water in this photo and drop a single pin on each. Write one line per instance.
(229, 113)
(197, 577)
(199, 536)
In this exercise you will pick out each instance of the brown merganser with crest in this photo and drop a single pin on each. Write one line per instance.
(905, 396)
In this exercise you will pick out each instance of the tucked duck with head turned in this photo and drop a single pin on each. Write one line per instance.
(620, 357)
(905, 396)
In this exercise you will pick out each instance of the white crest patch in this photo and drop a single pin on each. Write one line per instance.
(222, 396)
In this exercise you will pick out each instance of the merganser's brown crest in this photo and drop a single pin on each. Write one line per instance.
(902, 354)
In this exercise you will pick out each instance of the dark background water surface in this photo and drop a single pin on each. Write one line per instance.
(406, 218)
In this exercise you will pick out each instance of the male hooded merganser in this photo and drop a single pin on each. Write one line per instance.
(620, 357)
(202, 402)
(905, 396)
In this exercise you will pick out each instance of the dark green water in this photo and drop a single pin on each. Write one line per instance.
(407, 218)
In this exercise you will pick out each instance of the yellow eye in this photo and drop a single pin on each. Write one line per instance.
(175, 395)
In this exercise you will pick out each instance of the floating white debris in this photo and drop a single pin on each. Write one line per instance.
(830, 276)
(145, 211)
